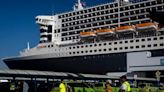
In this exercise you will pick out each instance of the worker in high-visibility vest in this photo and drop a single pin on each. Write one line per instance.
(125, 86)
(12, 87)
(62, 86)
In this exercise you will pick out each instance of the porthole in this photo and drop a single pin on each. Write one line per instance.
(161, 38)
(155, 45)
(161, 44)
(82, 51)
(126, 41)
(137, 40)
(148, 39)
(143, 46)
(109, 43)
(131, 41)
(69, 47)
(149, 45)
(126, 47)
(155, 38)
(86, 45)
(115, 48)
(137, 47)
(143, 40)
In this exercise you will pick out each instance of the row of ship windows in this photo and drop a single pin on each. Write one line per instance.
(115, 49)
(115, 43)
(97, 26)
(69, 26)
(120, 48)
(84, 25)
(66, 33)
(140, 5)
(90, 15)
(70, 38)
(132, 12)
(93, 25)
(119, 42)
(107, 11)
(88, 10)
(128, 15)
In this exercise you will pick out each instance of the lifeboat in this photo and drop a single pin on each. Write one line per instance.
(41, 46)
(146, 26)
(87, 34)
(125, 29)
(104, 32)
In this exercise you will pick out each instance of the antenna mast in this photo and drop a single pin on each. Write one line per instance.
(78, 6)
(28, 46)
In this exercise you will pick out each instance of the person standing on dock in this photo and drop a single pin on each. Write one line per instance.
(12, 87)
(62, 86)
(108, 87)
(125, 86)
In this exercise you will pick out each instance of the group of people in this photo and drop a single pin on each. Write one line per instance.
(125, 86)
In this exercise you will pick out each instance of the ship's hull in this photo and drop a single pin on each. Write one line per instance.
(95, 64)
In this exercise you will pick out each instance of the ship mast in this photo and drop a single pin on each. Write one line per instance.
(28, 46)
(78, 6)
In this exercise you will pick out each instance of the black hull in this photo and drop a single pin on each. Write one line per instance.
(95, 64)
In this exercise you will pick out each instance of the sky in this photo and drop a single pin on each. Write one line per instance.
(17, 22)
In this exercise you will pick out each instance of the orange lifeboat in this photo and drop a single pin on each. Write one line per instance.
(87, 34)
(104, 32)
(144, 26)
(125, 29)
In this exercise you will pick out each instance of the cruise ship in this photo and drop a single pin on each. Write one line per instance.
(118, 36)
